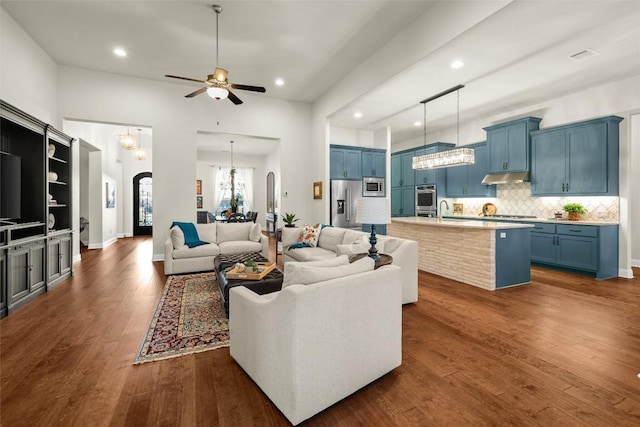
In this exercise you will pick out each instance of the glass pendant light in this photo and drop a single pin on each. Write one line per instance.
(139, 153)
(127, 141)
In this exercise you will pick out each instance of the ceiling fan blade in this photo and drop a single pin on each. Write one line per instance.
(247, 87)
(185, 78)
(198, 92)
(233, 98)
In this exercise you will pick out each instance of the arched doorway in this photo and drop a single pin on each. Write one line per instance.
(142, 204)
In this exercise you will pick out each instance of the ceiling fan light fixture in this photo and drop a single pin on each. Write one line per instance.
(220, 75)
(217, 92)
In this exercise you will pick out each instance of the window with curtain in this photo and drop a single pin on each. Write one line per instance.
(243, 188)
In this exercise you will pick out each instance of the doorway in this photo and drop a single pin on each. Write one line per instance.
(142, 204)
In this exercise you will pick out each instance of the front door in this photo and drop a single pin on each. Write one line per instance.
(142, 204)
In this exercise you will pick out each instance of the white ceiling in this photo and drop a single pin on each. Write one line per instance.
(516, 53)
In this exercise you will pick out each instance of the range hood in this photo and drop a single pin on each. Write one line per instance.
(506, 178)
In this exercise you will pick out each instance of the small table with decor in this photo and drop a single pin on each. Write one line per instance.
(272, 282)
(382, 259)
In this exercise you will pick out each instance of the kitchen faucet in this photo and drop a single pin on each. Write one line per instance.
(440, 207)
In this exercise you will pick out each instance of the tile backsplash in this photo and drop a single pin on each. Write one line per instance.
(515, 199)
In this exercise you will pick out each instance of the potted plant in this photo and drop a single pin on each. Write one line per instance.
(574, 210)
(289, 219)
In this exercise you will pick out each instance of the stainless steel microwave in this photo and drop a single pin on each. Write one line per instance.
(373, 187)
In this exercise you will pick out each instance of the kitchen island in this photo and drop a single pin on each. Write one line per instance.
(489, 255)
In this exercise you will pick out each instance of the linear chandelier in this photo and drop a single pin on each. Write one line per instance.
(458, 156)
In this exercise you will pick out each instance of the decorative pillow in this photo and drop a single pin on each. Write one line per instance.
(330, 237)
(300, 273)
(207, 232)
(310, 234)
(256, 232)
(177, 238)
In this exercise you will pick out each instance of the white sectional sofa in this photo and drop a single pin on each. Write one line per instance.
(221, 238)
(334, 241)
(310, 345)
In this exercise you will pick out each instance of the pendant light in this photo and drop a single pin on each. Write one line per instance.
(127, 141)
(139, 153)
(458, 156)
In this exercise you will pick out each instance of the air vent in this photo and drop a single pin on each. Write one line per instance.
(583, 54)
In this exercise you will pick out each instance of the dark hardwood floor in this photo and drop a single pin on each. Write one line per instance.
(562, 351)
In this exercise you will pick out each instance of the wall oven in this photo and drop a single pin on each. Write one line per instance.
(373, 187)
(426, 200)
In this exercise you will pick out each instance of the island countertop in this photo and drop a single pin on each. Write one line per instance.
(530, 220)
(460, 223)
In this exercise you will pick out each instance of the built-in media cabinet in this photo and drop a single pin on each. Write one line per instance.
(35, 208)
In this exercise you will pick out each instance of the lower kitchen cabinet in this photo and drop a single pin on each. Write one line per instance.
(26, 272)
(403, 201)
(591, 248)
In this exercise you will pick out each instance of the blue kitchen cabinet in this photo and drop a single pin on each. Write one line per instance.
(508, 145)
(513, 257)
(396, 170)
(579, 159)
(408, 174)
(396, 201)
(466, 181)
(431, 176)
(345, 163)
(380, 228)
(374, 163)
(543, 243)
(403, 201)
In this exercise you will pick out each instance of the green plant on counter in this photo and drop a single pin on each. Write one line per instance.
(289, 219)
(574, 207)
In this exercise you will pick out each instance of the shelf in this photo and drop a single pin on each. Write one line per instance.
(57, 182)
(58, 160)
(58, 206)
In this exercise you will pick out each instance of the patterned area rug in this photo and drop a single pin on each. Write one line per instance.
(190, 318)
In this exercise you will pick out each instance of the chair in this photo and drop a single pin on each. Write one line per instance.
(237, 217)
(252, 216)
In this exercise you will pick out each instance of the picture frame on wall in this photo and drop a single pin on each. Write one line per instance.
(317, 190)
(198, 186)
(110, 192)
(199, 202)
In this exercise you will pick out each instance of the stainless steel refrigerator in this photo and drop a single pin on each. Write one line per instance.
(344, 196)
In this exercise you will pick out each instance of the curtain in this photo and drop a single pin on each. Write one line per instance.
(220, 180)
(245, 176)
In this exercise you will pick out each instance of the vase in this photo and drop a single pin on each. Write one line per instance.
(51, 150)
(573, 216)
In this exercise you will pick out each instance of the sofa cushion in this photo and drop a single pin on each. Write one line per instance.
(256, 232)
(328, 262)
(210, 249)
(309, 254)
(233, 231)
(239, 246)
(351, 236)
(330, 237)
(177, 237)
(207, 232)
(301, 273)
(310, 234)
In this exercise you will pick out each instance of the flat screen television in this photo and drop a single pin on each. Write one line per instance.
(10, 188)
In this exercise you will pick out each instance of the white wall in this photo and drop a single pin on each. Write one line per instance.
(634, 199)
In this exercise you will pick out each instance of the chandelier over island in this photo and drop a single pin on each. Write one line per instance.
(456, 157)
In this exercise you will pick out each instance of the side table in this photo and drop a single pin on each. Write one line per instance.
(382, 259)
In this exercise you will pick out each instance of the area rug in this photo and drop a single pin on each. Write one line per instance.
(190, 318)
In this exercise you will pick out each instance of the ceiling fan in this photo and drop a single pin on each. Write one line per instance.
(217, 85)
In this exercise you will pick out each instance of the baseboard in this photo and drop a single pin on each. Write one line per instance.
(103, 244)
(77, 258)
(635, 263)
(157, 257)
(627, 273)
(124, 235)
(94, 246)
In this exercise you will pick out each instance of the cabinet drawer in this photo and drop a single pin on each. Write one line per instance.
(578, 230)
(544, 228)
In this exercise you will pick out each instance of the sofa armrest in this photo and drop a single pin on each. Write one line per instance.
(168, 256)
(406, 257)
(264, 241)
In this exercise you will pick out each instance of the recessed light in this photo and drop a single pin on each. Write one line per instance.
(417, 123)
(357, 115)
(457, 64)
(279, 82)
(120, 51)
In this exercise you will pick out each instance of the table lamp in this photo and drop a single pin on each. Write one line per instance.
(373, 210)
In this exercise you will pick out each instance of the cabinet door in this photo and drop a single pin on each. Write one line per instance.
(543, 247)
(66, 254)
(518, 147)
(53, 256)
(577, 252)
(396, 170)
(408, 175)
(408, 201)
(426, 176)
(396, 201)
(367, 163)
(379, 163)
(3, 283)
(456, 181)
(37, 272)
(353, 164)
(498, 140)
(337, 162)
(18, 273)
(587, 159)
(548, 154)
(476, 173)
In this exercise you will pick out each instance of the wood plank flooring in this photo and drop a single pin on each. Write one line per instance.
(562, 351)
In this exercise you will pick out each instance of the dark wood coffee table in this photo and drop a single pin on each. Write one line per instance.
(272, 282)
(383, 259)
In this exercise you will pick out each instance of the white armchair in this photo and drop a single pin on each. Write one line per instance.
(309, 346)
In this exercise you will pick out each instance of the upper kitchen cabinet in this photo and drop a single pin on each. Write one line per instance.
(402, 173)
(580, 159)
(508, 145)
(374, 163)
(345, 162)
(431, 176)
(466, 181)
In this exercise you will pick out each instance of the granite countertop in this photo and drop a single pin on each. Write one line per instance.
(548, 220)
(459, 223)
